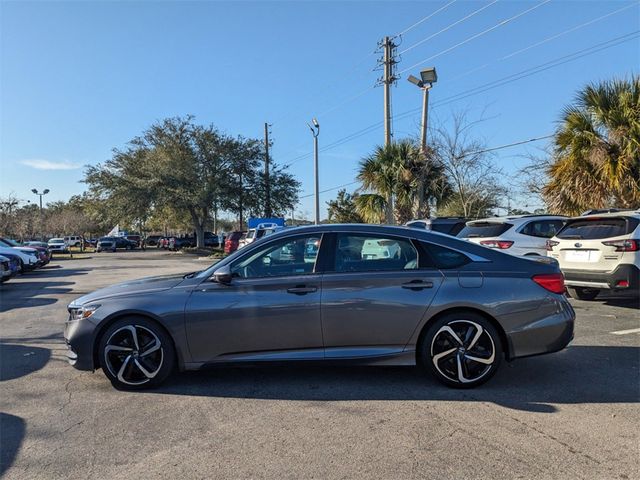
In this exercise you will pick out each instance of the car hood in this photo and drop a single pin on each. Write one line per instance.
(143, 285)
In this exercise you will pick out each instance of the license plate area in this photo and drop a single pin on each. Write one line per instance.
(580, 255)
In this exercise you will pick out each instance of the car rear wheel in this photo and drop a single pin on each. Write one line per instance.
(462, 350)
(135, 353)
(582, 293)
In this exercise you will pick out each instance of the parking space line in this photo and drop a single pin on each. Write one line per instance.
(625, 332)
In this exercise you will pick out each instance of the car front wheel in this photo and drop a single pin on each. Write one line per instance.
(135, 353)
(462, 350)
(583, 293)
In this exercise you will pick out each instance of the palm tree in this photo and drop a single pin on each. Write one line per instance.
(399, 180)
(596, 159)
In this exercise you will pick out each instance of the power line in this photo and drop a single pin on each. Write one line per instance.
(488, 86)
(543, 41)
(425, 19)
(477, 35)
(448, 27)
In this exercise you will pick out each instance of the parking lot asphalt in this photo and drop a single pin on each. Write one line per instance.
(572, 414)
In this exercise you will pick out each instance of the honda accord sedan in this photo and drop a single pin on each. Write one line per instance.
(456, 308)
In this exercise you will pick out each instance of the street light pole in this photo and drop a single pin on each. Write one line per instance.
(315, 131)
(428, 77)
(44, 192)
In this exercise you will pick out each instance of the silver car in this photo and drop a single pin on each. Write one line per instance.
(452, 306)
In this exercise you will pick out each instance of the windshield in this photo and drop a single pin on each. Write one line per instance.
(484, 229)
(595, 228)
(9, 242)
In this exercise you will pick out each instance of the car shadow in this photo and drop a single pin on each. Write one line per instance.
(578, 374)
(20, 360)
(32, 293)
(12, 432)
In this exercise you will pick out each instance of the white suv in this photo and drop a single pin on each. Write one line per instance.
(599, 251)
(517, 234)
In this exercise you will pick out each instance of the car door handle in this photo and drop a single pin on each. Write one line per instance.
(417, 285)
(301, 290)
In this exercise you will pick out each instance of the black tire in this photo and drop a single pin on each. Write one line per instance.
(160, 362)
(582, 293)
(479, 363)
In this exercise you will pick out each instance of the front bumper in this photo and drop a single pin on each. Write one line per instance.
(547, 335)
(79, 337)
(604, 280)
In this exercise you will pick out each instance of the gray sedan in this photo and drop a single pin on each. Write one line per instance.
(375, 295)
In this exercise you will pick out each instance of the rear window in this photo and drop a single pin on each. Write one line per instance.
(484, 229)
(595, 228)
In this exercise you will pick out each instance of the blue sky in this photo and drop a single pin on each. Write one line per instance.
(78, 79)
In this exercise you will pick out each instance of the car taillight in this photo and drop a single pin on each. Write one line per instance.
(554, 282)
(624, 245)
(501, 244)
(551, 244)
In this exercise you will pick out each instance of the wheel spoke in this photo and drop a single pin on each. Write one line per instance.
(441, 355)
(476, 337)
(150, 349)
(450, 331)
(461, 377)
(117, 348)
(123, 368)
(146, 372)
(486, 361)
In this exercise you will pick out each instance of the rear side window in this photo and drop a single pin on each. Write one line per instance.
(595, 228)
(484, 229)
(445, 258)
(370, 253)
(542, 228)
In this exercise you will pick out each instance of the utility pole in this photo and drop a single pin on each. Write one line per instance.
(388, 78)
(315, 131)
(267, 184)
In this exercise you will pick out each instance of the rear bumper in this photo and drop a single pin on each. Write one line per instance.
(604, 280)
(547, 335)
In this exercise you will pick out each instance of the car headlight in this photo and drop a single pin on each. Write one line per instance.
(78, 313)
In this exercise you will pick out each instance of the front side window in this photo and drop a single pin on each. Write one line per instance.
(370, 253)
(285, 257)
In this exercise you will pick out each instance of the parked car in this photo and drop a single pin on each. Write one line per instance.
(152, 240)
(5, 269)
(232, 241)
(29, 257)
(178, 243)
(137, 240)
(73, 241)
(257, 233)
(113, 243)
(599, 252)
(42, 253)
(516, 234)
(210, 240)
(58, 245)
(15, 262)
(447, 225)
(450, 305)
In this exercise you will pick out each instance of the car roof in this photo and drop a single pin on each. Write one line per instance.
(621, 213)
(518, 218)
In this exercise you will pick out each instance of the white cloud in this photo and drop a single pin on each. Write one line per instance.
(41, 164)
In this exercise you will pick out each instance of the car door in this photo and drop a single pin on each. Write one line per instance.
(269, 311)
(373, 298)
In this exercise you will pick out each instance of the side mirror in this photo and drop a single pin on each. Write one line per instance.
(223, 275)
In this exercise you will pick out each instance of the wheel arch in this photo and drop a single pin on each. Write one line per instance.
(506, 347)
(104, 325)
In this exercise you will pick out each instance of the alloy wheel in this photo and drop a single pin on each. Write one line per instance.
(463, 351)
(133, 354)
